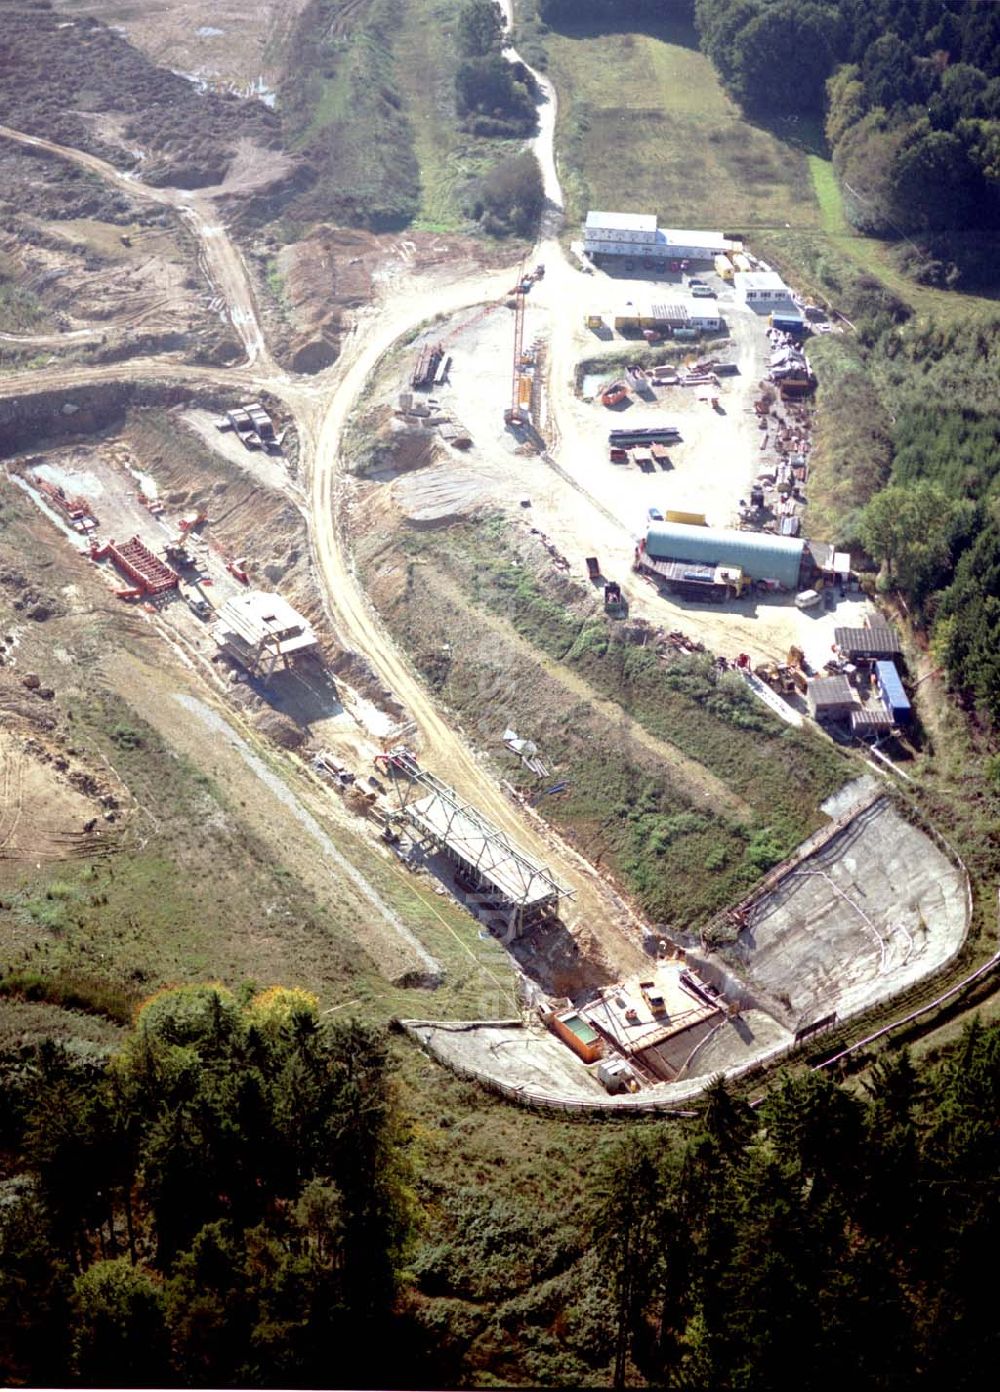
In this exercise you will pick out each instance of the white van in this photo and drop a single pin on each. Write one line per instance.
(806, 599)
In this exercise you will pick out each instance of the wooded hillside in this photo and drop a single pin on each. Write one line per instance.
(231, 1200)
(910, 90)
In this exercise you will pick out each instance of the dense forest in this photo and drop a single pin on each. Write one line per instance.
(217, 1205)
(231, 1199)
(910, 90)
(936, 524)
(832, 1238)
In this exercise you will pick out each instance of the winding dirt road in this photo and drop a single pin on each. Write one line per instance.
(321, 407)
(221, 260)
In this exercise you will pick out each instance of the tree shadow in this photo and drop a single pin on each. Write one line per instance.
(677, 29)
(803, 133)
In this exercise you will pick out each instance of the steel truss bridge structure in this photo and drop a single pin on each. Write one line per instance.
(490, 865)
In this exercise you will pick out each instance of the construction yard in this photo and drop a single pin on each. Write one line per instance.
(596, 772)
(485, 482)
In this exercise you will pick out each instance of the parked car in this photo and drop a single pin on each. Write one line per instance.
(700, 292)
(695, 281)
(654, 514)
(199, 606)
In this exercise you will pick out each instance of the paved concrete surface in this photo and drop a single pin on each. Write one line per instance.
(736, 1042)
(516, 1056)
(879, 907)
(530, 1062)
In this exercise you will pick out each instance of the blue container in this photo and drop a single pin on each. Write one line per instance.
(895, 698)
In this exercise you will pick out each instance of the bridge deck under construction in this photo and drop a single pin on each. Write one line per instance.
(490, 860)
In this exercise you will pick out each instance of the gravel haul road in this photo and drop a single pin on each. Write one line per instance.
(322, 407)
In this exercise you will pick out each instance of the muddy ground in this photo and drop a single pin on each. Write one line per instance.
(313, 292)
(100, 276)
(230, 45)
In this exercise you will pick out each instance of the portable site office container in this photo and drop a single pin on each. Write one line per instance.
(788, 322)
(896, 700)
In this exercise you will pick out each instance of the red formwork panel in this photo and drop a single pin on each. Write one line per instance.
(136, 561)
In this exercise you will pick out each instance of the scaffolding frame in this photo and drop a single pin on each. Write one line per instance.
(516, 365)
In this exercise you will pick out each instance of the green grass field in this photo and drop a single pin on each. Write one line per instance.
(645, 125)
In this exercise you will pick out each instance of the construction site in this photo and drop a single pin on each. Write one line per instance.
(167, 550)
(583, 524)
(465, 427)
(674, 486)
(846, 922)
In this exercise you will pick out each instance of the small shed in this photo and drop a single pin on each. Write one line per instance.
(702, 316)
(830, 698)
(788, 321)
(877, 639)
(763, 290)
(872, 719)
(671, 315)
(896, 700)
(616, 1075)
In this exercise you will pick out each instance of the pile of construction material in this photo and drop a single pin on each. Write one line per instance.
(555, 554)
(252, 424)
(431, 368)
(428, 415)
(789, 368)
(700, 374)
(679, 642)
(777, 496)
